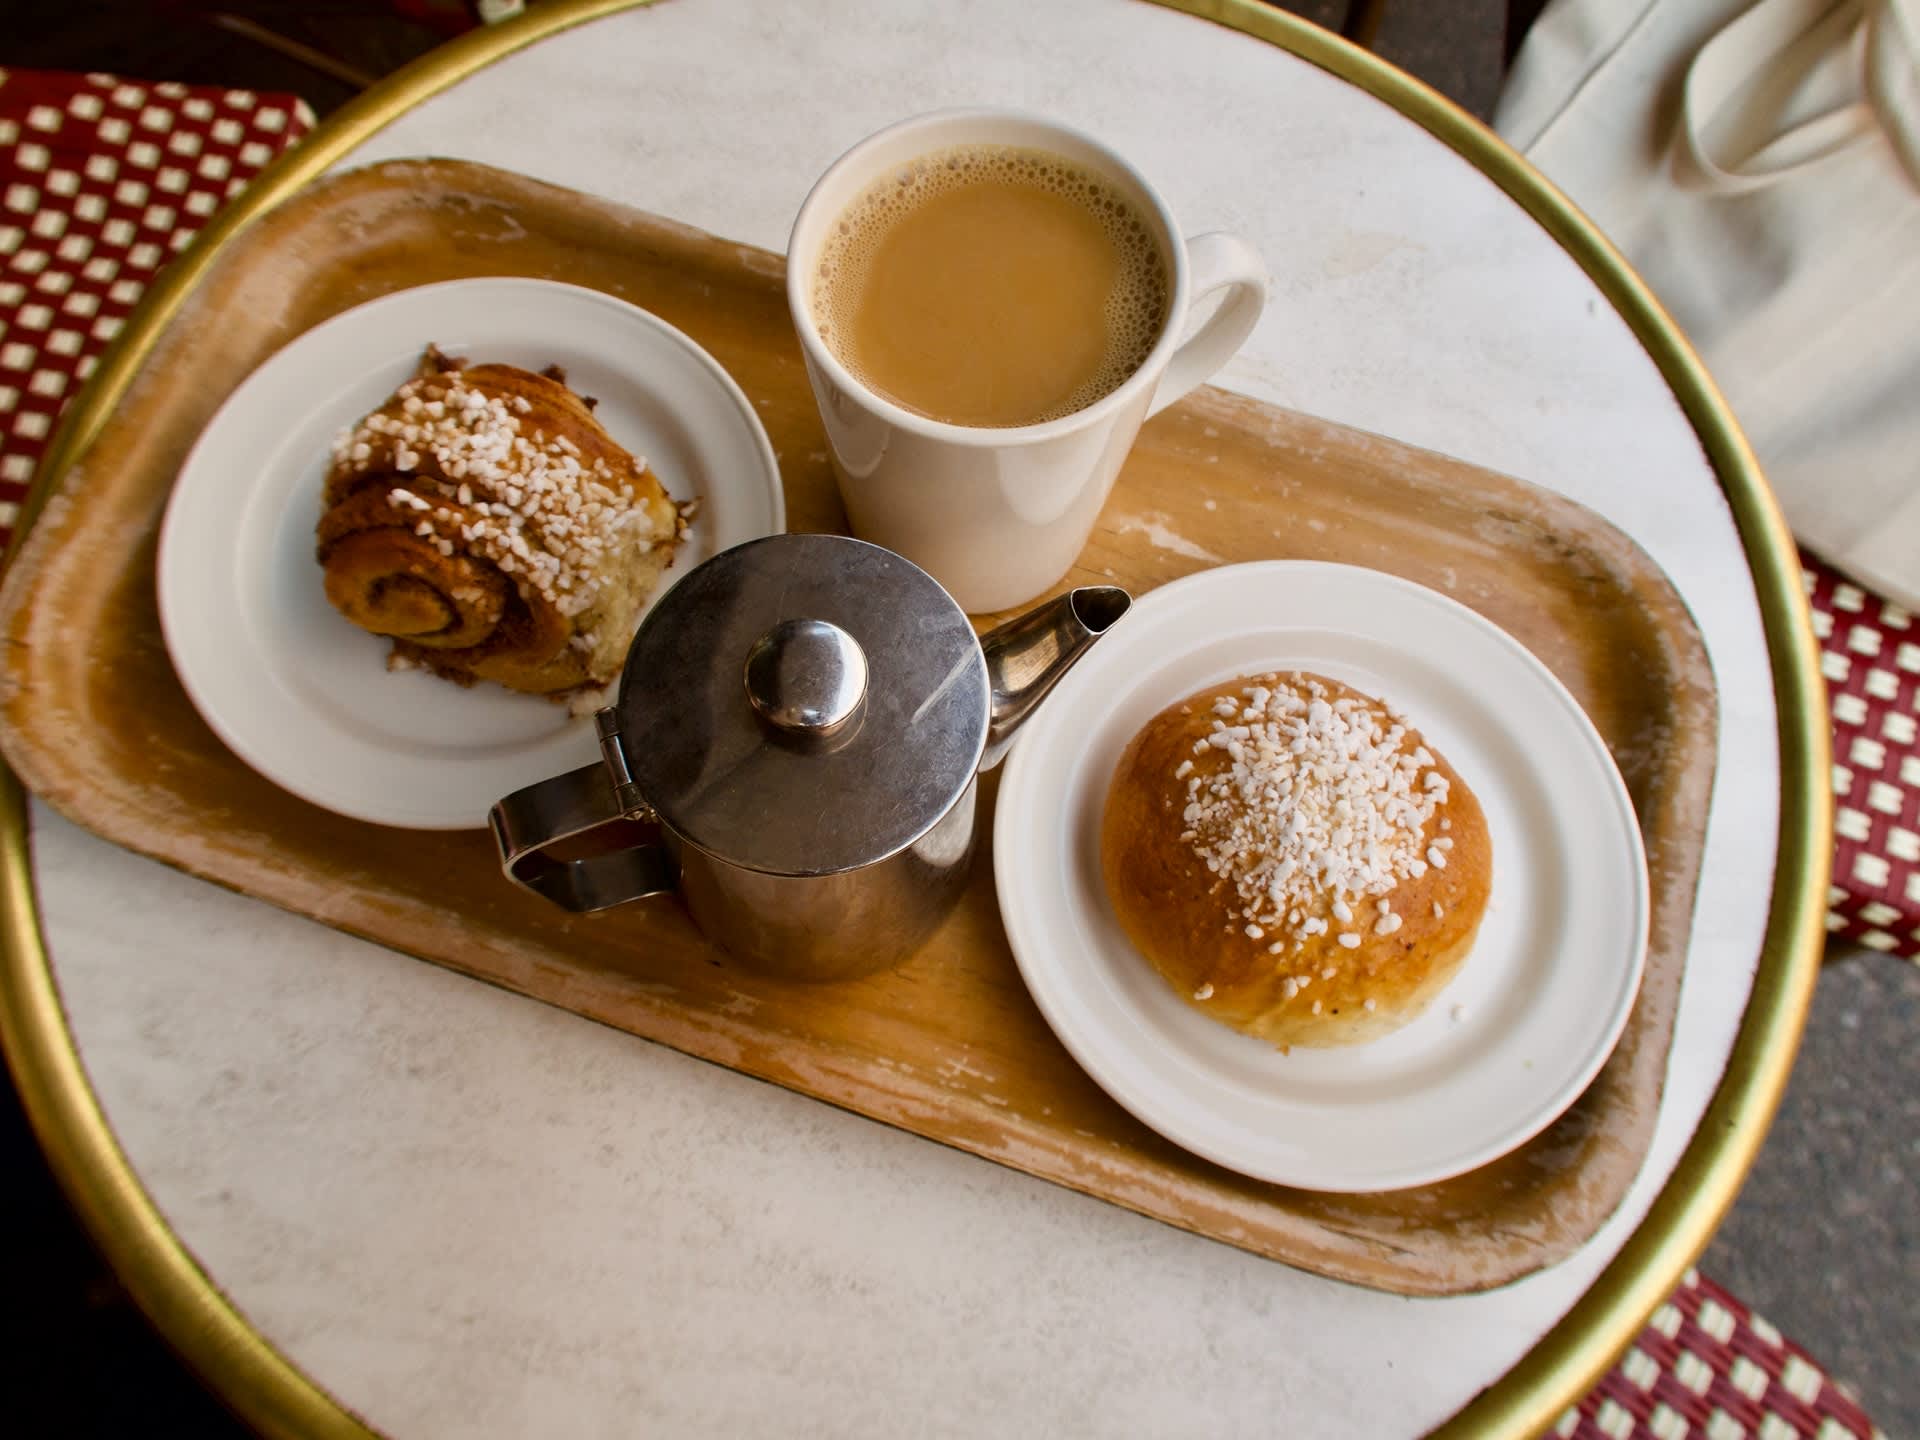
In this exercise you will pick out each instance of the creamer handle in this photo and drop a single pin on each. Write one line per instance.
(529, 820)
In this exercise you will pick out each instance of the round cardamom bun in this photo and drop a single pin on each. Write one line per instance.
(1295, 860)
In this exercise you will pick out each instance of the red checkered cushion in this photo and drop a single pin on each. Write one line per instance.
(1709, 1367)
(1870, 655)
(102, 180)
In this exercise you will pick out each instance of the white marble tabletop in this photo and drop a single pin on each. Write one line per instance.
(468, 1214)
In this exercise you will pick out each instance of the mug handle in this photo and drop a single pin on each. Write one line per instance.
(529, 820)
(1215, 261)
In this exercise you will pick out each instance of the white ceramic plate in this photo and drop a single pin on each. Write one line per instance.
(305, 697)
(1507, 1046)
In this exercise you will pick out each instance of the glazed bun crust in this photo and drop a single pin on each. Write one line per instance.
(1274, 965)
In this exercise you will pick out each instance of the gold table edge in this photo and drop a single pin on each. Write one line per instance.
(273, 1395)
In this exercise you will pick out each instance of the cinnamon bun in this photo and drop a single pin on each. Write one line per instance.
(484, 520)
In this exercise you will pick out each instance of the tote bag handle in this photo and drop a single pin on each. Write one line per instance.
(1769, 43)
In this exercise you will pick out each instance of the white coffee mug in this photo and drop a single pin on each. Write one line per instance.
(998, 515)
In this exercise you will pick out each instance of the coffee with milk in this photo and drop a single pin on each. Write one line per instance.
(991, 286)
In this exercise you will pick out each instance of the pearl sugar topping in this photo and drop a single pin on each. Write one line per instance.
(527, 503)
(1322, 804)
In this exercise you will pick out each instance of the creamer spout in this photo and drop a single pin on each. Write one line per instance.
(1027, 656)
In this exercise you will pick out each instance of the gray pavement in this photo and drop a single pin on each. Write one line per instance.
(1824, 1239)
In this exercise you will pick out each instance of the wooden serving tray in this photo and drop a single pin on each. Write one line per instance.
(949, 1045)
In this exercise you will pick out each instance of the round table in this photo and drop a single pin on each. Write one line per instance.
(360, 1190)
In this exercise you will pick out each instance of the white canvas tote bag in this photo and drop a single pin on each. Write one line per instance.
(1759, 164)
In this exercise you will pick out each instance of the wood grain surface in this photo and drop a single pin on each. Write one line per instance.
(948, 1045)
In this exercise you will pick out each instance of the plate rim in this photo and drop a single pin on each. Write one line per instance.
(1135, 1093)
(261, 376)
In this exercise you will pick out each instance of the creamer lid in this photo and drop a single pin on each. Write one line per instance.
(804, 704)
